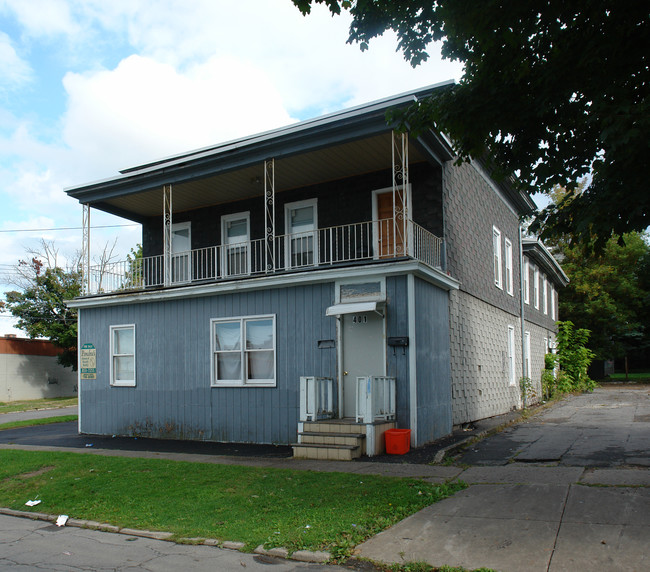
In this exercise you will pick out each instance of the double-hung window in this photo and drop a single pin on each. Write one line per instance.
(545, 295)
(509, 278)
(496, 247)
(536, 288)
(122, 347)
(553, 315)
(527, 282)
(243, 351)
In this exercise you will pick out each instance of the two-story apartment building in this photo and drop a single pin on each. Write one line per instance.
(333, 276)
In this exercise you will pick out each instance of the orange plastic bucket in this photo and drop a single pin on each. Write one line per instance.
(398, 441)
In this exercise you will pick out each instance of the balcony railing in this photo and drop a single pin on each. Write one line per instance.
(365, 241)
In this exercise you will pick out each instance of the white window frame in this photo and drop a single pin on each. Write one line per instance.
(379, 297)
(122, 382)
(243, 381)
(288, 229)
(511, 356)
(225, 219)
(553, 307)
(526, 282)
(509, 275)
(536, 288)
(545, 294)
(496, 247)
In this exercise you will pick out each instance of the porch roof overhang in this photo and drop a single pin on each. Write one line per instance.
(538, 253)
(352, 308)
(332, 147)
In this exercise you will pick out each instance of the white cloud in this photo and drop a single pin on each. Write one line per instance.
(42, 17)
(145, 109)
(14, 71)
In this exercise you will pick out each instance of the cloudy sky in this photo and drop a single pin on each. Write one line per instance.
(89, 87)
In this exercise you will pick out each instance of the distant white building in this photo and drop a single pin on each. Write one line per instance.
(29, 370)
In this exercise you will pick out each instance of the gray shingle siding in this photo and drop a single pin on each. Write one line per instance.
(472, 208)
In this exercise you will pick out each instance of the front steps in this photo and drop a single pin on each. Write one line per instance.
(338, 439)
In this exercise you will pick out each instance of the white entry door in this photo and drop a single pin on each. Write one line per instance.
(181, 251)
(363, 353)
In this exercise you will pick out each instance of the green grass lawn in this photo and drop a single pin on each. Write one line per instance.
(31, 422)
(643, 377)
(275, 507)
(29, 405)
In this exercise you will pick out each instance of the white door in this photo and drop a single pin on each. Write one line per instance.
(236, 241)
(301, 225)
(363, 354)
(181, 252)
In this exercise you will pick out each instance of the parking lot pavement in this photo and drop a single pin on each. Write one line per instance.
(605, 428)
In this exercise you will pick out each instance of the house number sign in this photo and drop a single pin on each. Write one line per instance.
(360, 319)
(88, 362)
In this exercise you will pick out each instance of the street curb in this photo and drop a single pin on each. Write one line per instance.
(317, 557)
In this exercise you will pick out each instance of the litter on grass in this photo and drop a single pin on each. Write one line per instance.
(63, 518)
(32, 502)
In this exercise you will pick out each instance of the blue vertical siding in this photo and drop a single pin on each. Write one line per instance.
(432, 362)
(397, 360)
(173, 397)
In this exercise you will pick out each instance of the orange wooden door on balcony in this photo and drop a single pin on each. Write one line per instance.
(391, 244)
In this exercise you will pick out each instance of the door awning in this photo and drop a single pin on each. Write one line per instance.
(352, 308)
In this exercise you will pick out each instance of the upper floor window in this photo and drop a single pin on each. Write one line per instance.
(122, 348)
(496, 247)
(527, 282)
(545, 295)
(536, 288)
(243, 351)
(301, 221)
(509, 278)
(553, 314)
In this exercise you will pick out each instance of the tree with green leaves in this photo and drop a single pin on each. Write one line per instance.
(44, 284)
(609, 293)
(552, 91)
(40, 306)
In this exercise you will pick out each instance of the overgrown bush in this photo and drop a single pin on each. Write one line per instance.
(573, 357)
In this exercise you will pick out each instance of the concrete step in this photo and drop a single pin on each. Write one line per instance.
(333, 427)
(355, 439)
(325, 452)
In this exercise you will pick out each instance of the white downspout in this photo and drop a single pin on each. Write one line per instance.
(524, 369)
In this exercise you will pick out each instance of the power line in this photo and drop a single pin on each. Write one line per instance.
(65, 228)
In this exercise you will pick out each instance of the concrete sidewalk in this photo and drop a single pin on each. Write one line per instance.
(520, 518)
(37, 414)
